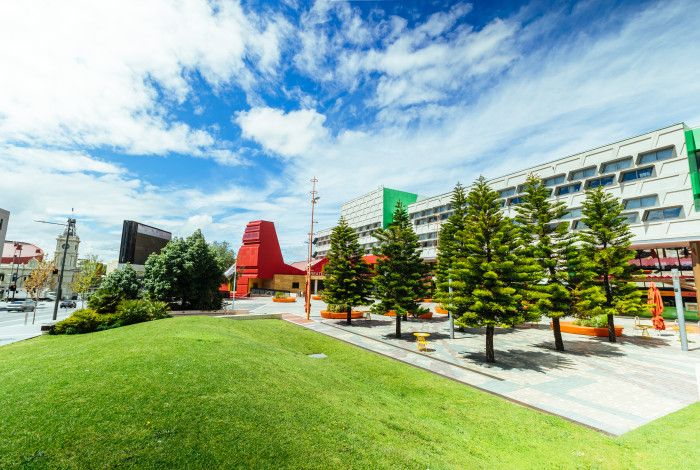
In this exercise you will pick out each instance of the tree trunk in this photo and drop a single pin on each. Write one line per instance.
(611, 329)
(490, 355)
(398, 325)
(348, 321)
(558, 342)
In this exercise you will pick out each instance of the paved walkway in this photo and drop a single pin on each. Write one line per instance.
(610, 387)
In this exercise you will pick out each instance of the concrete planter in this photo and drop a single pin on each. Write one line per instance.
(439, 309)
(571, 327)
(341, 315)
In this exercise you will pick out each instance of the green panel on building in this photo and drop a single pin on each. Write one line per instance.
(391, 197)
(692, 142)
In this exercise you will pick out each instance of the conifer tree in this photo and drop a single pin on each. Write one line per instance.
(490, 284)
(346, 282)
(450, 247)
(546, 242)
(606, 244)
(400, 272)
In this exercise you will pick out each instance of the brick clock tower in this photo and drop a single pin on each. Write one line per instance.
(71, 267)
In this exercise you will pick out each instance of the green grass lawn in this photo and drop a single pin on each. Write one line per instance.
(208, 393)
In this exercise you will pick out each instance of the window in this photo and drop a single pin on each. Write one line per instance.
(656, 215)
(636, 203)
(572, 213)
(603, 181)
(582, 174)
(295, 285)
(655, 156)
(631, 217)
(554, 180)
(636, 174)
(506, 192)
(568, 189)
(515, 200)
(616, 165)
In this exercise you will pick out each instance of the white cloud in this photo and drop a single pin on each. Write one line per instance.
(287, 134)
(106, 73)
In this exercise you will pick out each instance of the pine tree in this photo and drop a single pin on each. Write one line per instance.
(546, 242)
(400, 273)
(346, 281)
(450, 248)
(491, 283)
(606, 244)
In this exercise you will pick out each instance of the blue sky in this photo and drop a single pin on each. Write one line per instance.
(206, 115)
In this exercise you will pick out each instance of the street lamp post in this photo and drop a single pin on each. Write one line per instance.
(70, 229)
(307, 299)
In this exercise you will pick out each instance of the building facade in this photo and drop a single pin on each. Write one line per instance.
(71, 267)
(655, 175)
(17, 261)
(4, 220)
(366, 214)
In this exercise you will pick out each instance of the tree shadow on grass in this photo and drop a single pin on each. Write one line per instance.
(519, 359)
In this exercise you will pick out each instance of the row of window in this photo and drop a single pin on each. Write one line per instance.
(589, 172)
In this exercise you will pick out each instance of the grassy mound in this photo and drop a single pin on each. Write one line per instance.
(204, 392)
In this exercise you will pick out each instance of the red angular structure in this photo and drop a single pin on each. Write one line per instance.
(260, 262)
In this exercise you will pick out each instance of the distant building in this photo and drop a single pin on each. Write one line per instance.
(18, 260)
(138, 242)
(260, 266)
(71, 267)
(4, 220)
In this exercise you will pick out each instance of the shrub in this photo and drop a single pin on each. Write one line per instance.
(337, 308)
(137, 311)
(281, 295)
(598, 321)
(82, 321)
(104, 301)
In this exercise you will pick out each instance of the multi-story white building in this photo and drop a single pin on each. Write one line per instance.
(654, 174)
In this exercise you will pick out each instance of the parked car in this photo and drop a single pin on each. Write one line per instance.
(20, 305)
(67, 304)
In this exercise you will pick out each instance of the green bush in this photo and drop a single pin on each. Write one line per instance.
(104, 300)
(137, 311)
(128, 312)
(82, 321)
(598, 321)
(281, 295)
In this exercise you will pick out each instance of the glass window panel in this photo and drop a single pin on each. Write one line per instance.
(554, 180)
(637, 174)
(615, 166)
(663, 214)
(581, 174)
(604, 181)
(516, 200)
(568, 189)
(631, 218)
(656, 156)
(576, 212)
(506, 192)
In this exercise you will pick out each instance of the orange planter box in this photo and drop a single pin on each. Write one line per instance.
(427, 301)
(570, 327)
(315, 297)
(439, 309)
(285, 300)
(341, 315)
(424, 316)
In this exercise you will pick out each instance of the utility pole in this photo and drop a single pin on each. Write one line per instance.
(307, 297)
(70, 229)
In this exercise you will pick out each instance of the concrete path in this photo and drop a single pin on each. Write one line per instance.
(610, 387)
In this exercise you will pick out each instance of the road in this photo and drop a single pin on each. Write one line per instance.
(12, 327)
